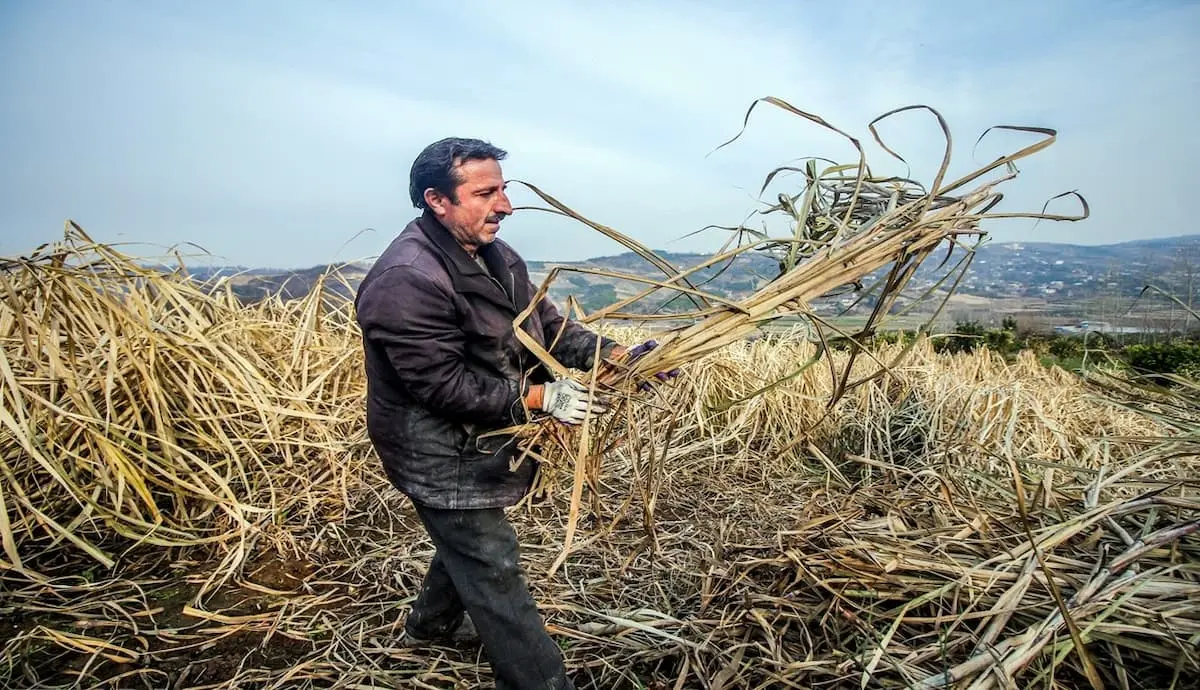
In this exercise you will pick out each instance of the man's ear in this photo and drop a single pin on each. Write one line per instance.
(436, 201)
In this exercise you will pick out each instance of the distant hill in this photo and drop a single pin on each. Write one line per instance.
(255, 284)
(1052, 272)
(1063, 272)
(1059, 276)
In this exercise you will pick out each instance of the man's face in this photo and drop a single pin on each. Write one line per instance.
(482, 204)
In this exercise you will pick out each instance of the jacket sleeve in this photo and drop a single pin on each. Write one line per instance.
(576, 346)
(413, 319)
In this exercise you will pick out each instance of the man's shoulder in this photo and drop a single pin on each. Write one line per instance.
(411, 255)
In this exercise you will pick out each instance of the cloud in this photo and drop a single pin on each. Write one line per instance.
(273, 133)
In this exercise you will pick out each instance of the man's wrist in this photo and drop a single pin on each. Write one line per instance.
(535, 396)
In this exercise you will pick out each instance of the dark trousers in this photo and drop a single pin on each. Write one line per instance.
(476, 569)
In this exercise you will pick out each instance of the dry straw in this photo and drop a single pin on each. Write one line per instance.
(136, 404)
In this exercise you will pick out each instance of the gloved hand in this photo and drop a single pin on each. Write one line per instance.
(566, 400)
(640, 350)
(633, 354)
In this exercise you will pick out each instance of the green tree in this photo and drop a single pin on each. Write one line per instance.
(597, 296)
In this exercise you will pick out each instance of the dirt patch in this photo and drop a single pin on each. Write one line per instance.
(281, 573)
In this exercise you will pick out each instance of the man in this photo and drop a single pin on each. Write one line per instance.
(443, 368)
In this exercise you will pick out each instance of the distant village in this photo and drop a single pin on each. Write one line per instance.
(1054, 286)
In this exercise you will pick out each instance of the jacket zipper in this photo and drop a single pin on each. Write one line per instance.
(501, 286)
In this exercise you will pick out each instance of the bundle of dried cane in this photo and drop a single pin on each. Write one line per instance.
(848, 224)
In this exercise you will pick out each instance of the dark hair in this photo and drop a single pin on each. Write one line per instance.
(434, 167)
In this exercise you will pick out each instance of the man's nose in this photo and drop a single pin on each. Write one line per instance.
(504, 205)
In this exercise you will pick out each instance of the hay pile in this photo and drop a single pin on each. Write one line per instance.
(137, 407)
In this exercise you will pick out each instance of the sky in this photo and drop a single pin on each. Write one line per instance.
(280, 134)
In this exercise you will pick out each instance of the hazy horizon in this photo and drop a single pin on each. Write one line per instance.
(620, 251)
(273, 134)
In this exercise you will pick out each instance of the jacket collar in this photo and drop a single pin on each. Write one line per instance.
(466, 274)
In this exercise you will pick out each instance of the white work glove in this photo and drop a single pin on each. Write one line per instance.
(568, 401)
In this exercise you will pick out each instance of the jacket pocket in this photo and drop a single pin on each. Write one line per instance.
(483, 442)
(422, 434)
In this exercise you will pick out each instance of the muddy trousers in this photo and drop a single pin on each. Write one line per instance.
(476, 569)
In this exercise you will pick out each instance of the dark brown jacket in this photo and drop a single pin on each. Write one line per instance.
(443, 365)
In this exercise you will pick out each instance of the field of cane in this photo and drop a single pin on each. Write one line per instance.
(188, 497)
(190, 501)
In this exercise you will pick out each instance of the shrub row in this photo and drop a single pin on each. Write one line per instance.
(1172, 357)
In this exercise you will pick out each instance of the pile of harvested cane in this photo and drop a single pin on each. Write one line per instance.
(736, 559)
(137, 407)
